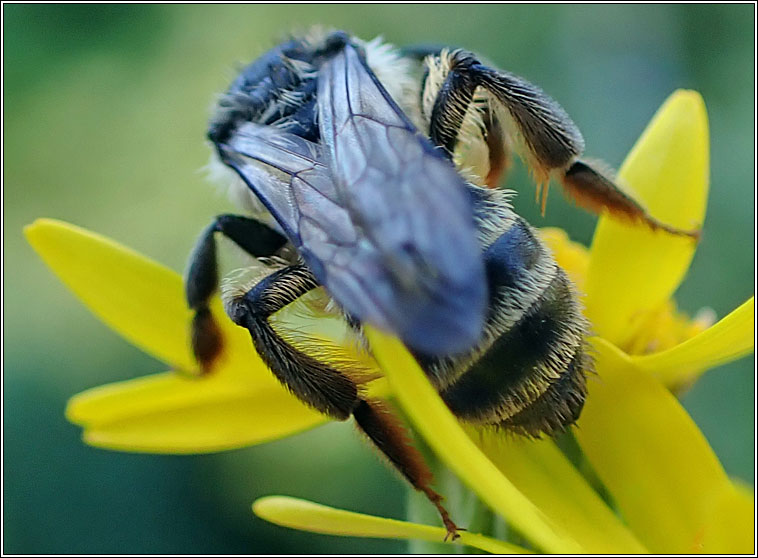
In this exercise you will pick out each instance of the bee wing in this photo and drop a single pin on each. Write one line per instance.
(382, 221)
(285, 173)
(411, 209)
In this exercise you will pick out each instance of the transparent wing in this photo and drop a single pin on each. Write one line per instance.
(384, 222)
(409, 204)
(285, 172)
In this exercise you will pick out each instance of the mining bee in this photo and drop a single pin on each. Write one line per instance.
(371, 172)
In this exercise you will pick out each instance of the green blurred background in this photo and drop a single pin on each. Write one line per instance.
(105, 113)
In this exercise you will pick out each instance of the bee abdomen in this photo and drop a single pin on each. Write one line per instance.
(559, 406)
(530, 379)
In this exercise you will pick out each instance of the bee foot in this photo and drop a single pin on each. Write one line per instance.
(452, 530)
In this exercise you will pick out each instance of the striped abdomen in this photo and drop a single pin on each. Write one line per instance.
(528, 374)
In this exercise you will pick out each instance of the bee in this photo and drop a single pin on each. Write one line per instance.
(371, 171)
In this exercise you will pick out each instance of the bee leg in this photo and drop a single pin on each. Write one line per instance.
(498, 147)
(550, 141)
(320, 386)
(316, 384)
(386, 432)
(594, 188)
(202, 280)
(448, 112)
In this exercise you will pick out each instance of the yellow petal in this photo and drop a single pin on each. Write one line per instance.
(168, 413)
(730, 338)
(571, 256)
(140, 299)
(651, 456)
(541, 471)
(632, 268)
(729, 527)
(307, 516)
(442, 432)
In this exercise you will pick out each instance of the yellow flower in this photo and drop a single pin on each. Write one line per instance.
(662, 477)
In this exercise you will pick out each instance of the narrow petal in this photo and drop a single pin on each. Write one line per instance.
(307, 516)
(139, 298)
(168, 413)
(663, 475)
(441, 430)
(545, 476)
(730, 338)
(633, 269)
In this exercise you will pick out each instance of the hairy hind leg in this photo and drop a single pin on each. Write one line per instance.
(324, 387)
(386, 432)
(551, 142)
